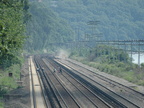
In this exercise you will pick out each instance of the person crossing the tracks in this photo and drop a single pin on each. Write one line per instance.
(42, 69)
(54, 70)
(60, 70)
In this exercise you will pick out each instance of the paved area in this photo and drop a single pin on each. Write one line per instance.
(37, 88)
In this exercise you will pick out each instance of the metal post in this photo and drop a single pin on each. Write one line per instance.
(125, 51)
(139, 54)
(131, 51)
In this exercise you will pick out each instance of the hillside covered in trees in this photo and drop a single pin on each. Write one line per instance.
(56, 21)
(119, 19)
(45, 28)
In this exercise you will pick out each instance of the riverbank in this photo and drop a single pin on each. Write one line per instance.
(131, 73)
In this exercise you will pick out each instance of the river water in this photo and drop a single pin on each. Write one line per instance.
(135, 58)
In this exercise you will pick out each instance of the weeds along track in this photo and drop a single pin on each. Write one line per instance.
(57, 94)
(126, 95)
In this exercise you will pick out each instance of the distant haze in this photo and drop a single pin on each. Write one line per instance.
(62, 54)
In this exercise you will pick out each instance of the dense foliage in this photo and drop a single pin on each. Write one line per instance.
(51, 19)
(13, 17)
(45, 28)
(103, 54)
(12, 33)
(119, 19)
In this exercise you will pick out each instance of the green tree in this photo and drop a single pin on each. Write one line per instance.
(45, 28)
(12, 30)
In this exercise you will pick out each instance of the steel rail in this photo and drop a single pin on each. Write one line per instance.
(56, 85)
(79, 83)
(44, 88)
(48, 87)
(113, 102)
(105, 87)
(66, 91)
(105, 78)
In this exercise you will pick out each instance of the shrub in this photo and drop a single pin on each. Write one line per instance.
(142, 65)
(16, 69)
(1, 105)
(140, 82)
(6, 84)
(121, 64)
(115, 63)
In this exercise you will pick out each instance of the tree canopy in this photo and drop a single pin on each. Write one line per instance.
(56, 21)
(12, 30)
(119, 19)
(45, 27)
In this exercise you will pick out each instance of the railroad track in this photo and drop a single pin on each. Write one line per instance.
(82, 94)
(108, 99)
(126, 95)
(75, 89)
(94, 102)
(59, 96)
(114, 83)
(36, 88)
(101, 91)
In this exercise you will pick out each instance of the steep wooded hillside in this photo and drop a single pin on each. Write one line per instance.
(45, 27)
(52, 21)
(119, 19)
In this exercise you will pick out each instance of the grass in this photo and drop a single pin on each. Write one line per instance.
(8, 83)
(15, 69)
(1, 103)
